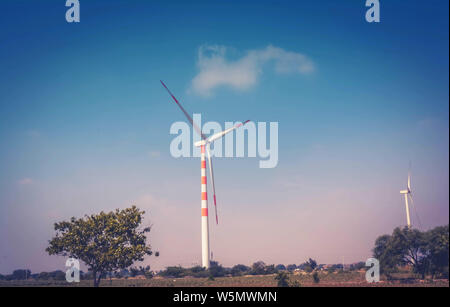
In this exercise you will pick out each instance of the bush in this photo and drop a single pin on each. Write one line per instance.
(316, 278)
(291, 267)
(258, 268)
(173, 271)
(216, 270)
(283, 279)
(239, 270)
(280, 267)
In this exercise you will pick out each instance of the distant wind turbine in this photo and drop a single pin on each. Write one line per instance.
(204, 145)
(408, 195)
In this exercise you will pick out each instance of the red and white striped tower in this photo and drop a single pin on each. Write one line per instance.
(205, 227)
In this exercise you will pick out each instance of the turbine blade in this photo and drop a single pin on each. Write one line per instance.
(211, 173)
(409, 182)
(415, 210)
(196, 128)
(221, 134)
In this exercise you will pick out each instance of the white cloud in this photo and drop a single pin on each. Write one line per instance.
(216, 70)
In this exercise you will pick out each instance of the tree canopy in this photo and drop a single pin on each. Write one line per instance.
(426, 252)
(105, 242)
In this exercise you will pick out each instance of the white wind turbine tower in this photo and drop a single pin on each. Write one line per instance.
(204, 145)
(407, 194)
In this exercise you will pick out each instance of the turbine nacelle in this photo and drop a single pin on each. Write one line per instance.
(200, 143)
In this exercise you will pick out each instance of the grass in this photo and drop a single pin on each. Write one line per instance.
(342, 279)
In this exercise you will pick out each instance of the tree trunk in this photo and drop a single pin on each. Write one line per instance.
(95, 278)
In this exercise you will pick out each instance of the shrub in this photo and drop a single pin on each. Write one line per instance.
(283, 279)
(316, 278)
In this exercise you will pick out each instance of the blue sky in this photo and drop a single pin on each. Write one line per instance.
(84, 124)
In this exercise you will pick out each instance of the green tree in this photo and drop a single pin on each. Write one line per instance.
(308, 266)
(437, 246)
(409, 245)
(258, 268)
(216, 270)
(427, 252)
(270, 269)
(383, 251)
(291, 267)
(312, 264)
(316, 277)
(20, 274)
(282, 279)
(357, 266)
(239, 269)
(174, 271)
(105, 242)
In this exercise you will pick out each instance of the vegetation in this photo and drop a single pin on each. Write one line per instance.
(349, 279)
(316, 278)
(106, 242)
(426, 252)
(357, 266)
(112, 242)
(283, 279)
(308, 266)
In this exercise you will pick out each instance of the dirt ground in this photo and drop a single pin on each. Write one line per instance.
(346, 279)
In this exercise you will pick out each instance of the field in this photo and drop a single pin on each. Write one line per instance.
(346, 279)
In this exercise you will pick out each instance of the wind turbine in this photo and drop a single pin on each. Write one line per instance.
(407, 194)
(204, 145)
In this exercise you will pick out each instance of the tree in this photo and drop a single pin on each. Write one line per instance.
(316, 277)
(312, 264)
(308, 266)
(410, 245)
(20, 274)
(270, 269)
(280, 267)
(173, 271)
(384, 253)
(437, 246)
(239, 270)
(258, 268)
(426, 252)
(357, 266)
(291, 267)
(106, 242)
(283, 279)
(134, 272)
(216, 270)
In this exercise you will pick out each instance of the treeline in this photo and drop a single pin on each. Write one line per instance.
(24, 274)
(215, 270)
(257, 268)
(426, 252)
